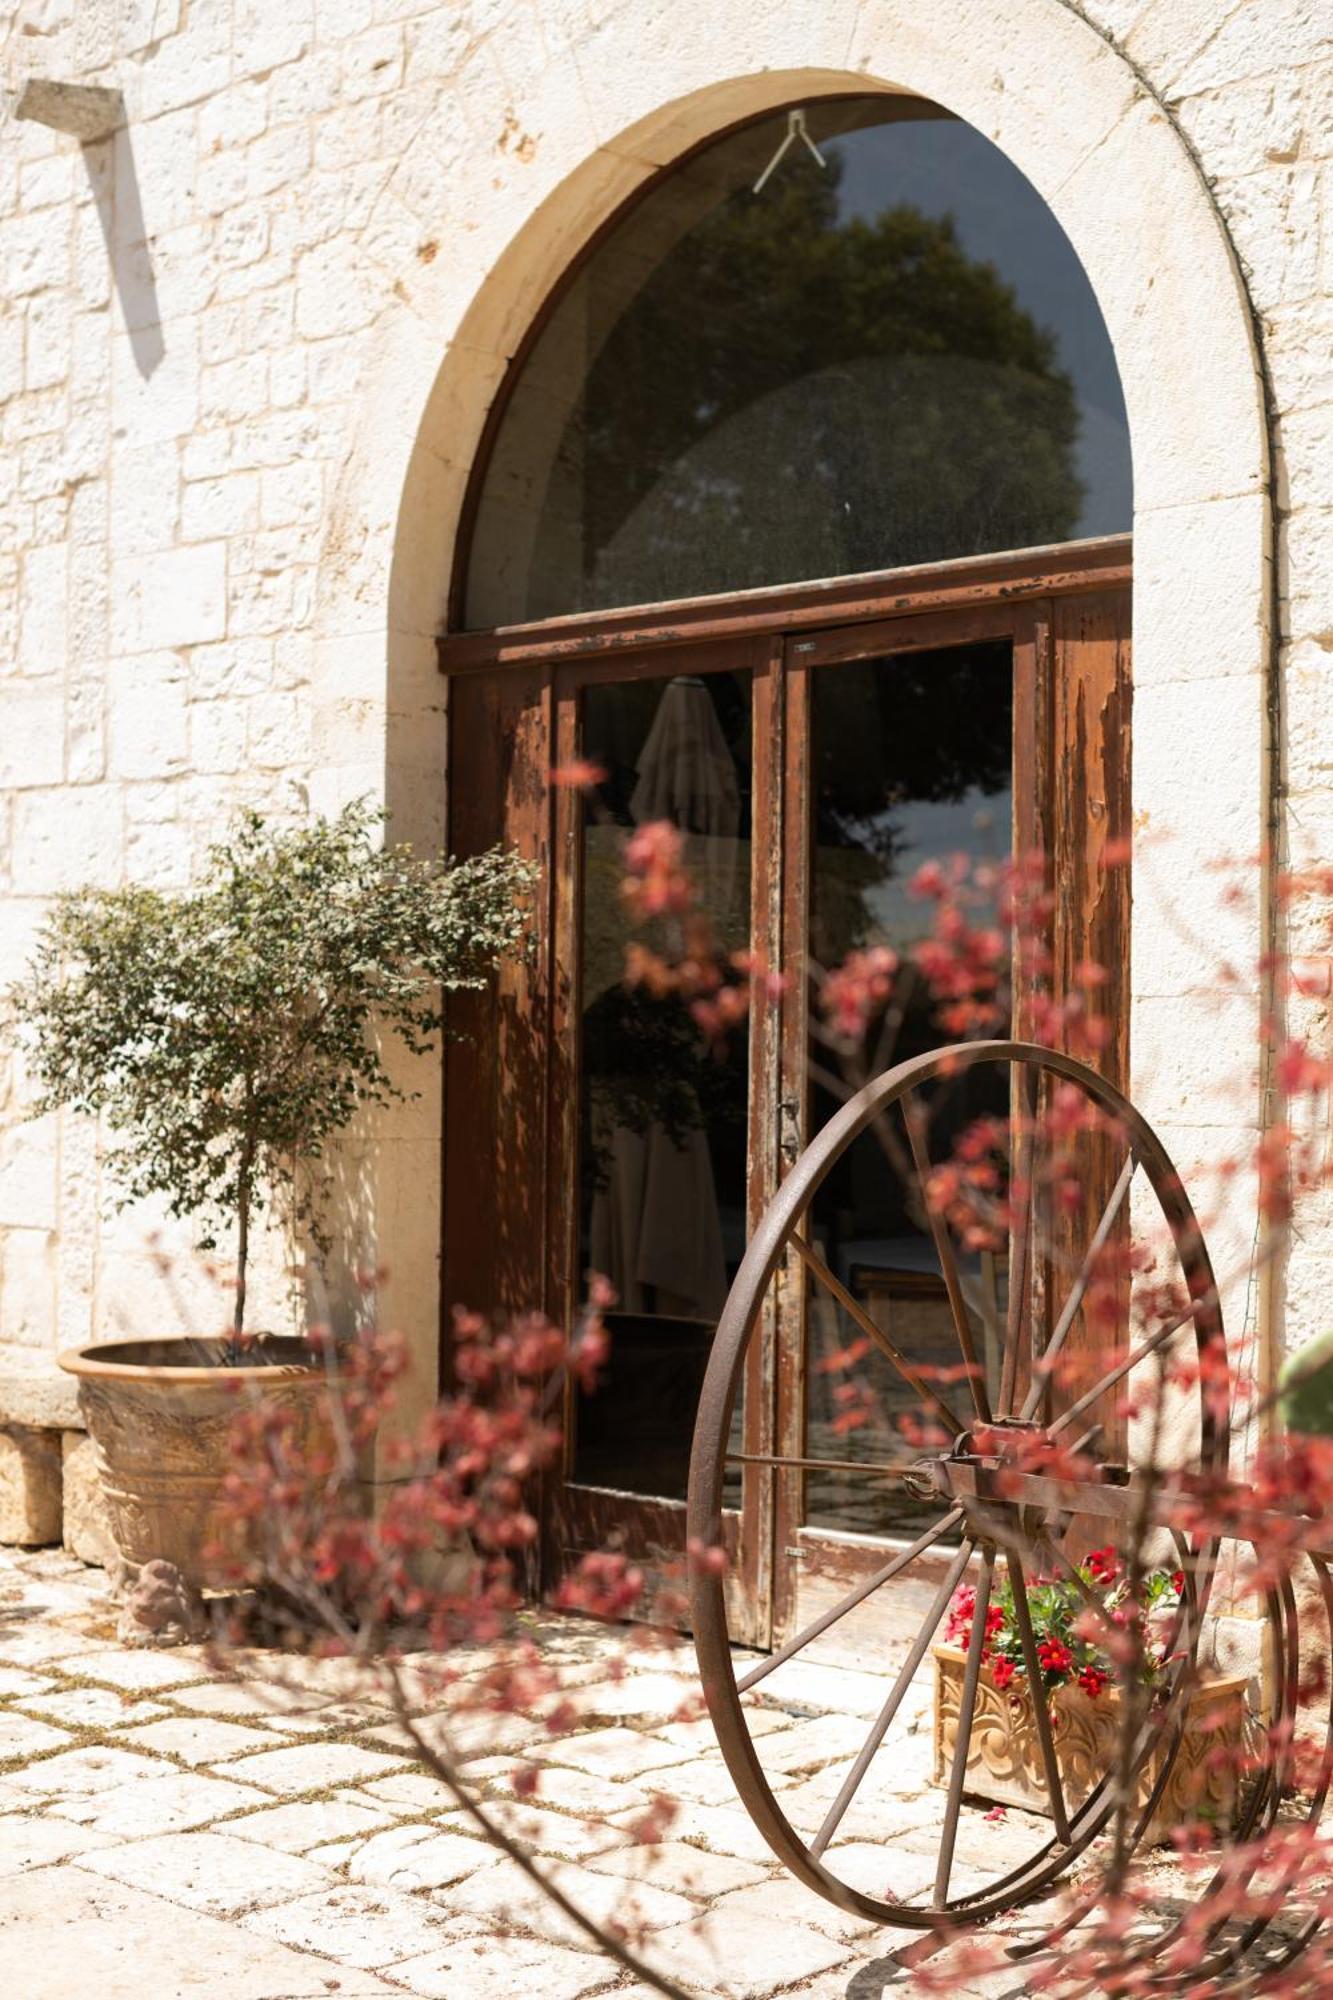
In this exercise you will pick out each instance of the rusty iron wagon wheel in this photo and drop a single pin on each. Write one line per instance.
(988, 1518)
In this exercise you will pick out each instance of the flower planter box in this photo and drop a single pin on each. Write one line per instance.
(1004, 1757)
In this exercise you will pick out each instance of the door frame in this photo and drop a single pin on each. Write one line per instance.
(510, 1240)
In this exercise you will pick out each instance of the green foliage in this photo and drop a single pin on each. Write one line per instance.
(227, 1035)
(1071, 1639)
(825, 395)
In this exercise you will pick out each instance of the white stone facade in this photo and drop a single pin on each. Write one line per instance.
(247, 345)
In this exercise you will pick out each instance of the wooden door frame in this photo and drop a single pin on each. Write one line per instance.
(513, 685)
(810, 1551)
(576, 1516)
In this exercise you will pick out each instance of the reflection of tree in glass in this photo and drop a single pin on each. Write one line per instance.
(827, 396)
(647, 1064)
(929, 728)
(893, 735)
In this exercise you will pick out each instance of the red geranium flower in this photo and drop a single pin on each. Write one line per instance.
(1092, 1680)
(1055, 1656)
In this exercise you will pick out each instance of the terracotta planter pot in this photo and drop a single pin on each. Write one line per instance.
(160, 1431)
(1004, 1759)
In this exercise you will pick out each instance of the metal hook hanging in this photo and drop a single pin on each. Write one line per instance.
(796, 129)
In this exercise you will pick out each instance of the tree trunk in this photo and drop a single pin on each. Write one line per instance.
(244, 1191)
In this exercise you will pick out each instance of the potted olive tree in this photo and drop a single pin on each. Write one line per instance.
(225, 1037)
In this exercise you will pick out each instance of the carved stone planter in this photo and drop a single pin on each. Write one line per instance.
(1004, 1759)
(160, 1433)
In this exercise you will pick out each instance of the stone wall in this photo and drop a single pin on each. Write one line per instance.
(246, 346)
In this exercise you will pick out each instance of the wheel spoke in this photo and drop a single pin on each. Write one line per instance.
(967, 1708)
(914, 1118)
(848, 1603)
(818, 1268)
(1040, 1713)
(1078, 1291)
(880, 1727)
(1018, 1306)
(1132, 1360)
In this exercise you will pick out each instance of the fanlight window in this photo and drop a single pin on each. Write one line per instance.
(886, 355)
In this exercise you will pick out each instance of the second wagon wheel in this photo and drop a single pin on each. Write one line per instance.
(1032, 1156)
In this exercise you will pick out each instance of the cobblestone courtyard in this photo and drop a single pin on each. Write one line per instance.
(166, 1832)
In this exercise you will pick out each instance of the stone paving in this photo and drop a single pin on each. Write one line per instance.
(166, 1832)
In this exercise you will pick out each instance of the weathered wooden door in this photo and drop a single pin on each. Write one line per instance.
(812, 769)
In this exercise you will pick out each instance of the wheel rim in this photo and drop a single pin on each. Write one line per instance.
(807, 1856)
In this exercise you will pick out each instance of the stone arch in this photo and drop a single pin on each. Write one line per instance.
(544, 134)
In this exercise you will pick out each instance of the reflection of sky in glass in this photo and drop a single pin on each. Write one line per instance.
(944, 167)
(978, 825)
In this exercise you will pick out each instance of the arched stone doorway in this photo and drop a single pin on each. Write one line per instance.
(783, 524)
(1060, 103)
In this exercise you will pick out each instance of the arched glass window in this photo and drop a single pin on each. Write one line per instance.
(888, 357)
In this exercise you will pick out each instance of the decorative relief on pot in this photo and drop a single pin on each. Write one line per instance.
(1004, 1756)
(162, 1449)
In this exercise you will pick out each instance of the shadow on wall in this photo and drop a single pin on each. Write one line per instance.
(115, 186)
(341, 1274)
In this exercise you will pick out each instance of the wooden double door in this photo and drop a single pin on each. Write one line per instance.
(816, 747)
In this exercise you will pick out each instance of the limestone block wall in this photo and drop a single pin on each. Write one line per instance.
(246, 347)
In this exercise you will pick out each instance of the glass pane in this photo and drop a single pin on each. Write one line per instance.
(662, 1112)
(893, 357)
(911, 763)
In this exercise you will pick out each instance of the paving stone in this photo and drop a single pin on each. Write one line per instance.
(308, 1767)
(170, 1804)
(301, 1828)
(569, 1791)
(994, 1846)
(608, 1753)
(883, 1869)
(701, 1735)
(743, 1957)
(687, 1870)
(827, 1739)
(27, 1841)
(369, 1928)
(37, 1643)
(197, 1739)
(93, 1708)
(650, 1698)
(891, 1796)
(503, 1891)
(719, 1829)
(22, 1736)
(166, 1669)
(570, 1836)
(243, 1700)
(706, 1781)
(801, 1684)
(575, 1791)
(417, 1857)
(506, 1968)
(335, 1855)
(208, 1871)
(472, 1734)
(416, 1791)
(15, 1681)
(324, 1719)
(75, 1935)
(784, 1900)
(99, 1768)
